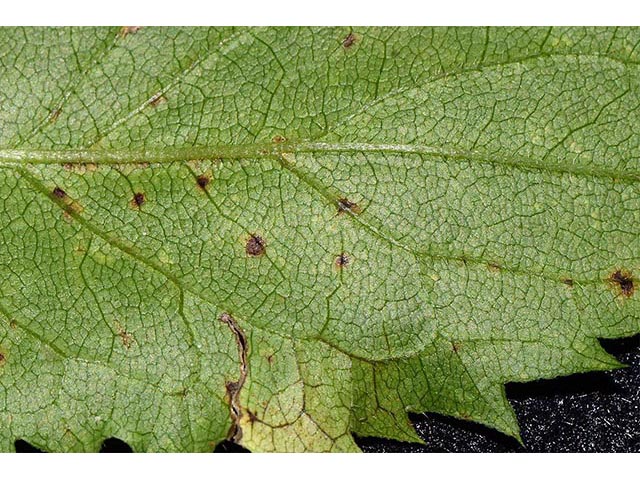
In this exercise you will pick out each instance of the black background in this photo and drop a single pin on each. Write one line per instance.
(593, 412)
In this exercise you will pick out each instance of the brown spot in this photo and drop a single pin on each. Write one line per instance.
(256, 246)
(349, 40)
(342, 260)
(346, 205)
(157, 99)
(494, 267)
(55, 113)
(203, 181)
(567, 281)
(252, 416)
(124, 31)
(279, 139)
(126, 338)
(2, 359)
(137, 200)
(59, 193)
(13, 324)
(455, 346)
(270, 359)
(623, 281)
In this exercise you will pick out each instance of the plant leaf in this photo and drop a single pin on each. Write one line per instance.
(285, 236)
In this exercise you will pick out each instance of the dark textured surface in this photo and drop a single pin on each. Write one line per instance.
(594, 412)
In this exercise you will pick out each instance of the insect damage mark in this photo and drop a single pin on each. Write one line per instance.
(567, 281)
(623, 281)
(255, 246)
(346, 205)
(234, 387)
(138, 200)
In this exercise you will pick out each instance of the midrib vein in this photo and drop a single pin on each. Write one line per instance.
(271, 151)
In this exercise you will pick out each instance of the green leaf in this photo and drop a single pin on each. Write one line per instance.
(285, 236)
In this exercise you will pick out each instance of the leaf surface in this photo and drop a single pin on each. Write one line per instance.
(285, 236)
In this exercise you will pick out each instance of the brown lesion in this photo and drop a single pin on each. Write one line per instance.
(138, 200)
(234, 387)
(567, 281)
(255, 245)
(345, 205)
(157, 100)
(494, 267)
(126, 31)
(456, 346)
(203, 181)
(125, 337)
(70, 206)
(342, 260)
(623, 282)
(350, 40)
(55, 113)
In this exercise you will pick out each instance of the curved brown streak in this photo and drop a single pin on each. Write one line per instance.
(235, 387)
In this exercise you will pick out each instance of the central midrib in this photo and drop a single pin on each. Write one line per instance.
(257, 151)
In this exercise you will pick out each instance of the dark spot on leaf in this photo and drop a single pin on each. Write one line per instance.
(455, 346)
(55, 113)
(567, 281)
(256, 246)
(494, 267)
(157, 99)
(623, 281)
(279, 139)
(203, 181)
(232, 388)
(138, 199)
(2, 359)
(59, 193)
(345, 205)
(342, 260)
(252, 416)
(349, 40)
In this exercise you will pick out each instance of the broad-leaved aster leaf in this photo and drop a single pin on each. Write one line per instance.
(286, 236)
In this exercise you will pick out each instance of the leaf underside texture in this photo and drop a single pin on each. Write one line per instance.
(285, 236)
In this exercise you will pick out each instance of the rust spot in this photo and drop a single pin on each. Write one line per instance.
(59, 193)
(567, 281)
(349, 40)
(279, 139)
(55, 113)
(124, 31)
(138, 200)
(342, 260)
(203, 181)
(622, 280)
(346, 205)
(157, 99)
(255, 246)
